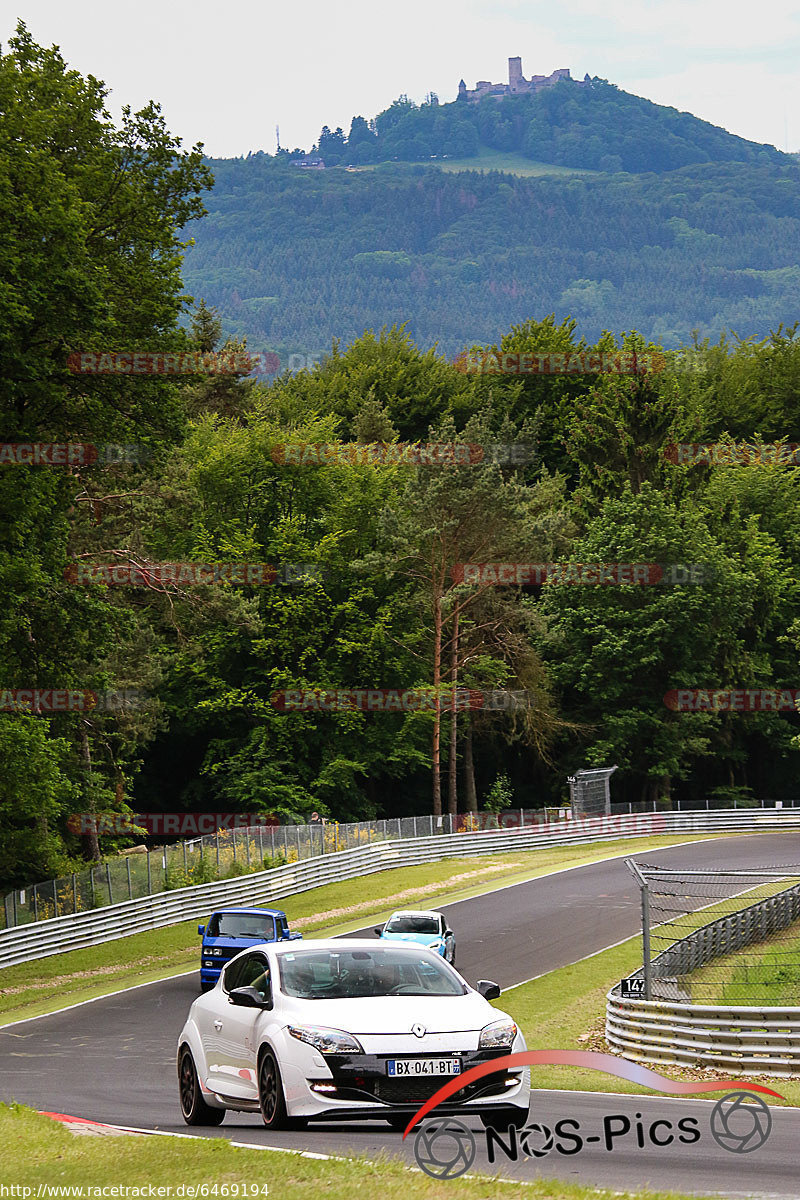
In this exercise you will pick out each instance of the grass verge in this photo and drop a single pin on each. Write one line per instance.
(565, 1010)
(32, 989)
(41, 1152)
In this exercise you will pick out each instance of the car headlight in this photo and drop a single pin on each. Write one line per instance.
(498, 1036)
(327, 1041)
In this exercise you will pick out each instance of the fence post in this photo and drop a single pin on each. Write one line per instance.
(216, 840)
(149, 880)
(108, 881)
(297, 840)
(35, 904)
(648, 983)
(128, 865)
(645, 891)
(261, 843)
(55, 902)
(285, 843)
(184, 856)
(14, 903)
(233, 832)
(74, 893)
(271, 842)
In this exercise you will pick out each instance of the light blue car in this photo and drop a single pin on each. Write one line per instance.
(426, 928)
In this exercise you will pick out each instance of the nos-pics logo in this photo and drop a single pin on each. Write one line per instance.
(445, 1148)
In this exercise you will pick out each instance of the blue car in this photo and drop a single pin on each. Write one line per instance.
(230, 930)
(426, 928)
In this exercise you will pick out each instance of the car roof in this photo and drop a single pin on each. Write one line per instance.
(258, 912)
(415, 912)
(340, 944)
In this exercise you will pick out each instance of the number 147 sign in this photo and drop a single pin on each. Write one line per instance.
(633, 986)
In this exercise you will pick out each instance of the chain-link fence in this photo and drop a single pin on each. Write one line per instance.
(719, 937)
(229, 853)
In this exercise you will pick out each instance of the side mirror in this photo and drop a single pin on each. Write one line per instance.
(488, 989)
(379, 930)
(201, 929)
(248, 997)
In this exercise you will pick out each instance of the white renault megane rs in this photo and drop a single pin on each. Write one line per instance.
(345, 1029)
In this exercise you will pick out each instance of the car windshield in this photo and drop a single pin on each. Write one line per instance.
(240, 925)
(412, 924)
(347, 974)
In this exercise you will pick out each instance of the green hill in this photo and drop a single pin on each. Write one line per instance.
(588, 125)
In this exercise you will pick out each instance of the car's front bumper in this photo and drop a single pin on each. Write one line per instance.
(358, 1086)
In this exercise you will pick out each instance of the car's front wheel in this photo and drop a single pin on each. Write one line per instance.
(193, 1106)
(271, 1098)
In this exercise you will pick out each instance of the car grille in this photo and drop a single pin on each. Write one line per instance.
(361, 1077)
(407, 1091)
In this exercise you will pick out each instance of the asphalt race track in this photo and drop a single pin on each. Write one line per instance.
(113, 1060)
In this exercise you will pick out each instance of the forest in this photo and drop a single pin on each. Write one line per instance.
(293, 258)
(366, 587)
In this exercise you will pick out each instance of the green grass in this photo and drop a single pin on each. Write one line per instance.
(765, 973)
(565, 1010)
(32, 989)
(40, 1151)
(490, 160)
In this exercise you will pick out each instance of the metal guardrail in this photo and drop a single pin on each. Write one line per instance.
(668, 1029)
(60, 934)
(765, 1041)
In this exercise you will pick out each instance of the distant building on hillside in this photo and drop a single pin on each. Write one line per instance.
(517, 83)
(310, 162)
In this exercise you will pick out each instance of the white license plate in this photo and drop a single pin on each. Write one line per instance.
(423, 1066)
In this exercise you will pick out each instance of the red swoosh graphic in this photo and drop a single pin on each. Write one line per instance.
(620, 1067)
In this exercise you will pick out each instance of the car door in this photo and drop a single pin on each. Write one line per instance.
(449, 940)
(236, 1038)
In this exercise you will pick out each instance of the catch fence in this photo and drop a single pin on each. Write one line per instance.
(719, 937)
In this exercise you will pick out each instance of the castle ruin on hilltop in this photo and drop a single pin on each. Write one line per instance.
(517, 83)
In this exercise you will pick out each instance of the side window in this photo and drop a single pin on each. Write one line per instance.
(282, 927)
(248, 971)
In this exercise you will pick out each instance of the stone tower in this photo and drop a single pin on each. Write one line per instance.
(462, 89)
(516, 79)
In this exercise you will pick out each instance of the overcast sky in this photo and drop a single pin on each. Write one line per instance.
(227, 74)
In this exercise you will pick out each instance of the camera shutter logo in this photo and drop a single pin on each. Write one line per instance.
(536, 1140)
(444, 1148)
(740, 1122)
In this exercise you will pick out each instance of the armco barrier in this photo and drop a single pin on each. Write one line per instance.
(764, 1041)
(28, 942)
